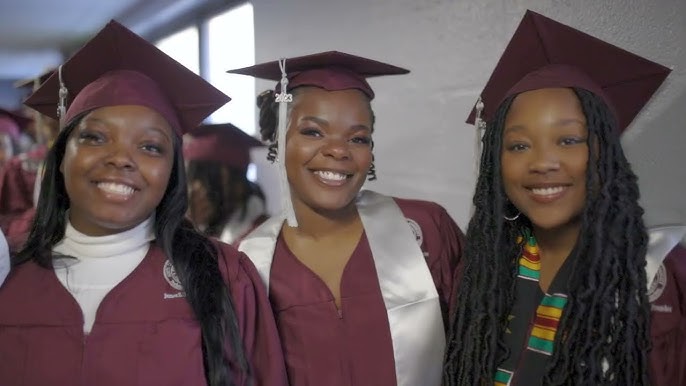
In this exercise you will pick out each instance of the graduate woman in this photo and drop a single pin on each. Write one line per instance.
(113, 286)
(559, 271)
(359, 282)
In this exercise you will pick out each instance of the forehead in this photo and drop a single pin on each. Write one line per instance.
(308, 98)
(135, 115)
(547, 103)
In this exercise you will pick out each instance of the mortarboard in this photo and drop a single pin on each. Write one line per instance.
(33, 83)
(224, 143)
(118, 67)
(331, 71)
(544, 53)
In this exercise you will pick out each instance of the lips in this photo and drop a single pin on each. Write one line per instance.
(547, 193)
(118, 191)
(331, 178)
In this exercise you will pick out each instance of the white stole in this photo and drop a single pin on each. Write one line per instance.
(407, 288)
(662, 239)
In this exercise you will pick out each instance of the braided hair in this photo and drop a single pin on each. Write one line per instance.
(269, 116)
(604, 330)
(194, 256)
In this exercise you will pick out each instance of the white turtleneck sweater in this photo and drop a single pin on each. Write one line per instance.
(100, 263)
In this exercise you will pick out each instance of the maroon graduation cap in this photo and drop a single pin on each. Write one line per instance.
(224, 143)
(118, 67)
(331, 70)
(544, 53)
(30, 83)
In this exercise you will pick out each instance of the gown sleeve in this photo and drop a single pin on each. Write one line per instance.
(442, 242)
(668, 322)
(255, 320)
(450, 262)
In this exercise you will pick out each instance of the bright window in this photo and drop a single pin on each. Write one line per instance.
(231, 44)
(183, 47)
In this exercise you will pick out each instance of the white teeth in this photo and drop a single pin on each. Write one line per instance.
(330, 175)
(112, 187)
(547, 191)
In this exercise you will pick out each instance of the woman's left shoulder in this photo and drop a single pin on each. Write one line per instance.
(411, 205)
(424, 212)
(235, 265)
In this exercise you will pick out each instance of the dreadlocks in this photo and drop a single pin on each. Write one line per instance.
(604, 330)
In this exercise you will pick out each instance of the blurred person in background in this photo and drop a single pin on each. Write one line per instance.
(223, 203)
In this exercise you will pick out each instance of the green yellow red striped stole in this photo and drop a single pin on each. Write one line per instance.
(548, 315)
(530, 261)
(502, 377)
(549, 311)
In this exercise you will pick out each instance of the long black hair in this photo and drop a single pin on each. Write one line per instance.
(194, 256)
(604, 329)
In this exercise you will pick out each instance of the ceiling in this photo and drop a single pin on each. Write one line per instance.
(38, 34)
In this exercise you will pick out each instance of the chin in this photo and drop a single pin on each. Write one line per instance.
(332, 204)
(551, 223)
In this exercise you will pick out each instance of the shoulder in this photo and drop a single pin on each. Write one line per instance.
(425, 213)
(235, 266)
(22, 281)
(228, 258)
(674, 266)
(676, 262)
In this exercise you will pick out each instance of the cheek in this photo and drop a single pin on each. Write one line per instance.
(364, 158)
(159, 172)
(510, 170)
(299, 152)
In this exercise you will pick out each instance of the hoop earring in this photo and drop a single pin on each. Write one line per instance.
(511, 218)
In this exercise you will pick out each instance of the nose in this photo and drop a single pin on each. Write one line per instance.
(544, 160)
(336, 148)
(120, 157)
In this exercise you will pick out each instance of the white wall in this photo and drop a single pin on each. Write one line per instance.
(423, 147)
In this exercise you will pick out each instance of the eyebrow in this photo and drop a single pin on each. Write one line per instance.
(323, 122)
(149, 128)
(561, 122)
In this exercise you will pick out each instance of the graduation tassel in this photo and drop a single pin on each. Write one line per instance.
(283, 98)
(63, 93)
(480, 125)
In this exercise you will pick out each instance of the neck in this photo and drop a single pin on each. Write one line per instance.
(556, 244)
(318, 224)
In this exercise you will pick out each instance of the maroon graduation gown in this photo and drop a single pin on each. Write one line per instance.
(145, 332)
(667, 327)
(354, 347)
(668, 321)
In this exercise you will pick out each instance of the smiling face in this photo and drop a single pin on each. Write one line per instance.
(116, 168)
(545, 157)
(328, 147)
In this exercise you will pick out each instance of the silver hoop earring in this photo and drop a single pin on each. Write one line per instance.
(512, 218)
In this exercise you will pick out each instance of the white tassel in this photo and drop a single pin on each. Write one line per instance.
(63, 93)
(283, 98)
(480, 125)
